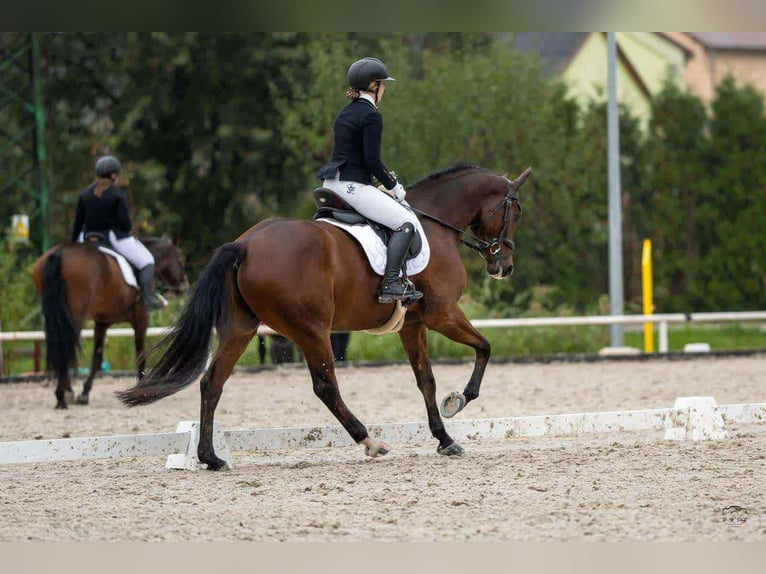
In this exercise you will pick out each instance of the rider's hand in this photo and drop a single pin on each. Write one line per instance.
(398, 192)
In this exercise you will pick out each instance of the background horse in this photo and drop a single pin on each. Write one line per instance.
(77, 282)
(307, 278)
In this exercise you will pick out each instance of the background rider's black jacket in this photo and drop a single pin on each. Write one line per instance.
(358, 130)
(105, 213)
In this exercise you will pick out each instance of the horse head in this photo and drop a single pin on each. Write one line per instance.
(495, 224)
(169, 262)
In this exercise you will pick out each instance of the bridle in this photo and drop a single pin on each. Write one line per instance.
(476, 243)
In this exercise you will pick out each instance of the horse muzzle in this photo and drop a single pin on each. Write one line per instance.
(497, 271)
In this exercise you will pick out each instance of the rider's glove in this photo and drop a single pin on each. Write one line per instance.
(398, 192)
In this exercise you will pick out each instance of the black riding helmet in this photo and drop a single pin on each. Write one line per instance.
(363, 73)
(107, 165)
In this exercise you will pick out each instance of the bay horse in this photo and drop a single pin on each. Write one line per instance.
(306, 279)
(76, 282)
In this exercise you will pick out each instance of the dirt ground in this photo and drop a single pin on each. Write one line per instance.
(629, 486)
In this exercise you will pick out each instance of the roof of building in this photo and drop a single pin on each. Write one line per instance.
(555, 48)
(731, 40)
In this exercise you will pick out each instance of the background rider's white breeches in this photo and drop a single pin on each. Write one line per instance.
(372, 203)
(131, 249)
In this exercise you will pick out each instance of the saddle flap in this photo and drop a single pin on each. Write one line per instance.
(127, 271)
(350, 217)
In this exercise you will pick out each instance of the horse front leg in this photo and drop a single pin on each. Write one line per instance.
(63, 391)
(99, 335)
(454, 325)
(140, 323)
(415, 342)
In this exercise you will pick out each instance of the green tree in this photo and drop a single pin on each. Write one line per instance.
(733, 207)
(675, 173)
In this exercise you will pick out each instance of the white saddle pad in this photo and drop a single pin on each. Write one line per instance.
(375, 249)
(127, 270)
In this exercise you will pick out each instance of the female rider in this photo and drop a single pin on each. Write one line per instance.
(102, 207)
(357, 131)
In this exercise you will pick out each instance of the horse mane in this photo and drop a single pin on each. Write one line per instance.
(152, 238)
(460, 167)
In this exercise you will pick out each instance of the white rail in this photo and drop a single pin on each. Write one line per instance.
(117, 332)
(680, 423)
(662, 319)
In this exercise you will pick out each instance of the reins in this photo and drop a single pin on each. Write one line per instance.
(476, 243)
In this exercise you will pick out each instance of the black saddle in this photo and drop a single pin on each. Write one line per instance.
(98, 239)
(332, 206)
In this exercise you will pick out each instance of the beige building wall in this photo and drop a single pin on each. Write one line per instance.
(697, 73)
(747, 67)
(708, 67)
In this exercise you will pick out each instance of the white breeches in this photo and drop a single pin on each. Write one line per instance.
(373, 203)
(131, 249)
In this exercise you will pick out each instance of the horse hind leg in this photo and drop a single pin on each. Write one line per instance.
(318, 353)
(228, 353)
(99, 335)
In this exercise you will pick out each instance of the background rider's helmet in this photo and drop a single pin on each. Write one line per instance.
(363, 73)
(107, 165)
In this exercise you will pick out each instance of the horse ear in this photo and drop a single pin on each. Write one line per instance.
(519, 181)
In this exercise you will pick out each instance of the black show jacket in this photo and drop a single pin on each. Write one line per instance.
(358, 131)
(106, 213)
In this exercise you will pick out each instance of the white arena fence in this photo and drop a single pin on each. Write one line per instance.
(691, 418)
(662, 320)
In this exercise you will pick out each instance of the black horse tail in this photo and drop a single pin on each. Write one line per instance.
(62, 338)
(185, 349)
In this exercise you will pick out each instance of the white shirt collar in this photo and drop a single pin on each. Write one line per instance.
(368, 97)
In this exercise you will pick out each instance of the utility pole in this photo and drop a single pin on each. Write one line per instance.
(616, 306)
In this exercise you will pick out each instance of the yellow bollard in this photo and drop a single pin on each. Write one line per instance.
(646, 283)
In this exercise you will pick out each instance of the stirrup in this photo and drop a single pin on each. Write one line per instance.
(155, 302)
(403, 291)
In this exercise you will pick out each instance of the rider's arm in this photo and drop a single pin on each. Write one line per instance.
(371, 137)
(79, 219)
(123, 215)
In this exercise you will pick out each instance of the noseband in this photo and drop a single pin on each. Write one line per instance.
(476, 243)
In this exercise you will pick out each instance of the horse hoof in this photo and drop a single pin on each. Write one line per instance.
(452, 404)
(374, 448)
(83, 400)
(452, 450)
(217, 464)
(61, 406)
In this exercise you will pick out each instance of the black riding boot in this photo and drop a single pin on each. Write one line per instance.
(393, 287)
(152, 299)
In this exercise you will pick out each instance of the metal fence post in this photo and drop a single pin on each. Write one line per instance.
(663, 337)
